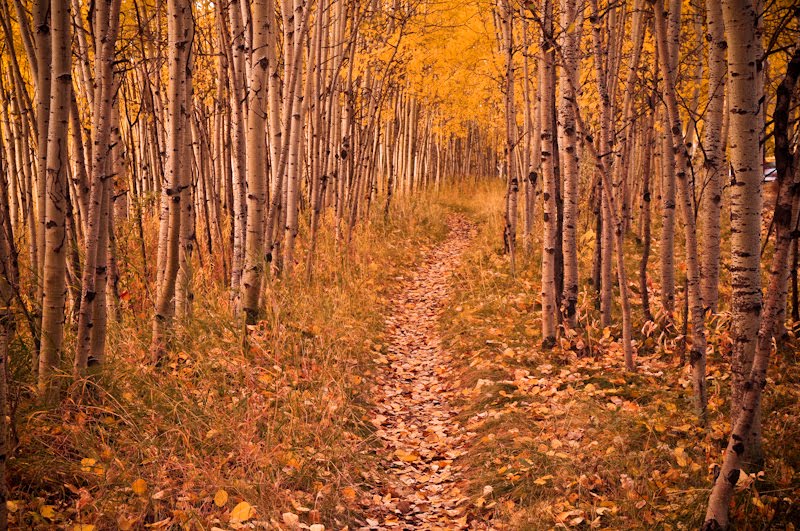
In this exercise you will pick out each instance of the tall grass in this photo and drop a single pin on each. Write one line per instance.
(277, 420)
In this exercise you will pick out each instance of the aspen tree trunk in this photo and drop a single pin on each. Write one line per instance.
(714, 150)
(276, 217)
(94, 271)
(263, 44)
(314, 98)
(532, 143)
(667, 240)
(96, 355)
(55, 235)
(187, 235)
(745, 204)
(742, 56)
(625, 152)
(510, 230)
(647, 158)
(570, 43)
(294, 168)
(178, 12)
(603, 164)
(549, 309)
(697, 357)
(238, 148)
(42, 20)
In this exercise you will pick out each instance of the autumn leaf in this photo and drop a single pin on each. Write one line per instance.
(406, 457)
(89, 464)
(291, 520)
(139, 486)
(681, 457)
(349, 494)
(242, 512)
(220, 498)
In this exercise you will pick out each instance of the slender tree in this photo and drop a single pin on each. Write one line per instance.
(54, 293)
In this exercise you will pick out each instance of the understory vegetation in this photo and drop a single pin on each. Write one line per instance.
(569, 438)
(277, 422)
(280, 422)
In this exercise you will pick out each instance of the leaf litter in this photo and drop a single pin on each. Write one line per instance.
(414, 414)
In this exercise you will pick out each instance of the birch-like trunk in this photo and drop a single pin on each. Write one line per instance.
(94, 271)
(263, 56)
(512, 180)
(740, 16)
(178, 18)
(745, 203)
(697, 357)
(550, 214)
(714, 164)
(54, 293)
(570, 44)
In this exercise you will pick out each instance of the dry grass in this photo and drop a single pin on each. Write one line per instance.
(277, 422)
(575, 441)
(563, 440)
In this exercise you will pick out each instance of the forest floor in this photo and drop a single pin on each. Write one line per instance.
(404, 388)
(414, 411)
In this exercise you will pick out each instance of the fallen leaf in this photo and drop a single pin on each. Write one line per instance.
(221, 498)
(139, 486)
(349, 494)
(291, 519)
(406, 457)
(242, 512)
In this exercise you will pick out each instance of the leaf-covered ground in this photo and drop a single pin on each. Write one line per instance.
(269, 434)
(405, 390)
(419, 485)
(568, 438)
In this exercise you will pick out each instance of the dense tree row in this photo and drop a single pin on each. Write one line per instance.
(229, 121)
(665, 108)
(217, 129)
(150, 148)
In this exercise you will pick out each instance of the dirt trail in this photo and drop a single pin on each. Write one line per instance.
(415, 421)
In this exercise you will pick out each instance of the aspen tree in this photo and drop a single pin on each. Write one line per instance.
(604, 166)
(714, 151)
(186, 236)
(319, 175)
(547, 50)
(745, 202)
(54, 292)
(106, 26)
(263, 57)
(570, 45)
(697, 358)
(647, 158)
(740, 15)
(507, 45)
(297, 117)
(42, 21)
(237, 94)
(179, 18)
(532, 137)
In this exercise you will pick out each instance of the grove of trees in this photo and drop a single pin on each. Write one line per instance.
(153, 151)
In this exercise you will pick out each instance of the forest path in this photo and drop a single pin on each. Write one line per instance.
(416, 422)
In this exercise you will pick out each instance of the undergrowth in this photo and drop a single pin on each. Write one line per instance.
(276, 421)
(568, 438)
